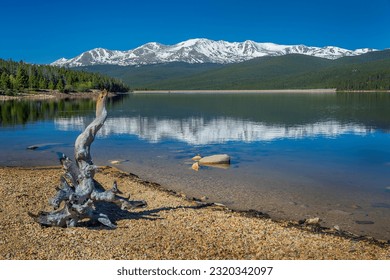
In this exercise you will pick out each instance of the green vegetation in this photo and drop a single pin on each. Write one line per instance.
(22, 111)
(19, 76)
(369, 71)
(14, 112)
(139, 77)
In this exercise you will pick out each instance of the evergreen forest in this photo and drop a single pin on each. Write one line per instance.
(23, 77)
(370, 71)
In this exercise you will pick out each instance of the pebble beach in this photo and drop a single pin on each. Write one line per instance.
(172, 226)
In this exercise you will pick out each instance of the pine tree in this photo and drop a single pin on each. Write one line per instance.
(4, 81)
(43, 83)
(21, 80)
(51, 85)
(33, 81)
(60, 85)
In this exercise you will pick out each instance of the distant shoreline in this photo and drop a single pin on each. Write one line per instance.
(54, 94)
(51, 94)
(333, 90)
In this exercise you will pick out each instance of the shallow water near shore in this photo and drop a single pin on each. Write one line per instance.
(294, 156)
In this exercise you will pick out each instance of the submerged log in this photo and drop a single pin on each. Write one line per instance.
(77, 190)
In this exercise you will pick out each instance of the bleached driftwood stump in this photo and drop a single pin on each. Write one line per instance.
(77, 188)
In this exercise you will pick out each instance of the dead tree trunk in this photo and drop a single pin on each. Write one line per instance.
(77, 188)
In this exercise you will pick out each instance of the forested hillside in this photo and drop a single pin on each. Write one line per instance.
(139, 77)
(369, 71)
(19, 76)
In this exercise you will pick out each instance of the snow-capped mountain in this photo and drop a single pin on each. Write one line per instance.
(200, 51)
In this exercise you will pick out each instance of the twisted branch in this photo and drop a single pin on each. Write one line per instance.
(77, 188)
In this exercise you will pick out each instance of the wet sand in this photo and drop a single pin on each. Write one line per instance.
(171, 227)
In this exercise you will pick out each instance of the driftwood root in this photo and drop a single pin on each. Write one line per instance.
(77, 192)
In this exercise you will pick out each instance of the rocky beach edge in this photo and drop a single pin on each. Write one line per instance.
(172, 226)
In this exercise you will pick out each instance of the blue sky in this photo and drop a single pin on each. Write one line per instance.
(43, 31)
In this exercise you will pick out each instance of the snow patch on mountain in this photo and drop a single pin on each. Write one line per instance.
(200, 51)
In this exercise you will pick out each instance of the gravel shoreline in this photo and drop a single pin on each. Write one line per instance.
(53, 94)
(171, 227)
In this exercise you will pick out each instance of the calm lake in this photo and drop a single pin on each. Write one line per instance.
(294, 156)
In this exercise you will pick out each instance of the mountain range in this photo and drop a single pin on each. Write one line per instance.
(198, 51)
(369, 71)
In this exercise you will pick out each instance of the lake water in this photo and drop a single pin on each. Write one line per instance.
(294, 156)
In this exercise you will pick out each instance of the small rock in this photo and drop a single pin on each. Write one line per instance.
(183, 195)
(215, 159)
(119, 161)
(204, 198)
(313, 221)
(196, 158)
(33, 147)
(219, 204)
(336, 227)
(195, 166)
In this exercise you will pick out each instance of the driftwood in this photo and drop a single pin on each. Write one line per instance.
(77, 189)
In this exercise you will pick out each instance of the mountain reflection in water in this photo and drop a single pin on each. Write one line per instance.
(198, 131)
